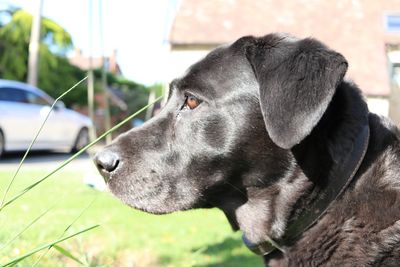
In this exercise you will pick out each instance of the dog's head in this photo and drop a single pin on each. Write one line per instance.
(228, 125)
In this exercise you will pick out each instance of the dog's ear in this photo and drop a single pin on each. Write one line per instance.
(297, 80)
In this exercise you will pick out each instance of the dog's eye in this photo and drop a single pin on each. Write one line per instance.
(191, 102)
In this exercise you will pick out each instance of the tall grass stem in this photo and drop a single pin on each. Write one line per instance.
(34, 139)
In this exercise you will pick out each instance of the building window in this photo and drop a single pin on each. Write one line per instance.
(392, 22)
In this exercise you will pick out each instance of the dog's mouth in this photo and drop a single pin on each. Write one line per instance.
(151, 192)
(139, 193)
(135, 189)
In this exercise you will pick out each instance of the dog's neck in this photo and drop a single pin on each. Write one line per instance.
(273, 212)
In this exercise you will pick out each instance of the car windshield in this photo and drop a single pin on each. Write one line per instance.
(21, 95)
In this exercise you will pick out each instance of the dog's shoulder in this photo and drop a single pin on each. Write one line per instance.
(364, 224)
(370, 209)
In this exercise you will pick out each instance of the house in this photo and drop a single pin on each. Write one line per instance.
(83, 62)
(366, 32)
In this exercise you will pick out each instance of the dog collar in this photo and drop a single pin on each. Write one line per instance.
(263, 248)
(318, 208)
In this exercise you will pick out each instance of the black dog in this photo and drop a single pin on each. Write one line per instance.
(267, 130)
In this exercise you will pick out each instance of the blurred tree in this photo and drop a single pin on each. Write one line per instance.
(135, 94)
(56, 74)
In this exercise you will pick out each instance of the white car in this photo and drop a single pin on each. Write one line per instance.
(23, 109)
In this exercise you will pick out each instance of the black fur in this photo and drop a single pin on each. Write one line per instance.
(297, 80)
(275, 123)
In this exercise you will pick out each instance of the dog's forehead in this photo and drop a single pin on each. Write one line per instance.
(222, 69)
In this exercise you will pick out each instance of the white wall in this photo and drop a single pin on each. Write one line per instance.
(180, 60)
(378, 105)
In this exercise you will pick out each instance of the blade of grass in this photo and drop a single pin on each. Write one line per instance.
(30, 253)
(36, 136)
(65, 230)
(26, 227)
(28, 188)
(68, 254)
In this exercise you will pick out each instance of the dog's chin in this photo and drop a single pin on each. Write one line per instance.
(149, 208)
(153, 203)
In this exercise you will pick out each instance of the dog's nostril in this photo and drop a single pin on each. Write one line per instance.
(107, 161)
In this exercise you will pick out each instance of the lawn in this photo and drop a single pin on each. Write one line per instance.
(126, 237)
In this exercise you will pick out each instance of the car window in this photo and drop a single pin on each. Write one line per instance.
(13, 95)
(36, 99)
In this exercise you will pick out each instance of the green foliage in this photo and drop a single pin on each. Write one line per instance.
(55, 72)
(14, 41)
(62, 75)
(135, 98)
(134, 94)
(14, 45)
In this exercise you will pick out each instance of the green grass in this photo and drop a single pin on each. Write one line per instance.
(126, 237)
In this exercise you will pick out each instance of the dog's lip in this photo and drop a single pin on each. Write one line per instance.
(106, 175)
(139, 194)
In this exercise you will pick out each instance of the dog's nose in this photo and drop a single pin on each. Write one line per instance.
(106, 161)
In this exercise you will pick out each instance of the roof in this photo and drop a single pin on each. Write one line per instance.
(222, 21)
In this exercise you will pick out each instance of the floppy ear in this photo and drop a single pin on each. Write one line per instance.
(297, 80)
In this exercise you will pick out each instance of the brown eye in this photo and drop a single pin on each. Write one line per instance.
(192, 102)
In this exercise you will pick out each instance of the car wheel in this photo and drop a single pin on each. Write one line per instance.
(81, 140)
(2, 144)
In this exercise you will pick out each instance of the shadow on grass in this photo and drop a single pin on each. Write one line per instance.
(228, 253)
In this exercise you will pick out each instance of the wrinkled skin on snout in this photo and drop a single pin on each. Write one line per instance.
(187, 158)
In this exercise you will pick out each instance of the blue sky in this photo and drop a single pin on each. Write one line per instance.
(136, 28)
